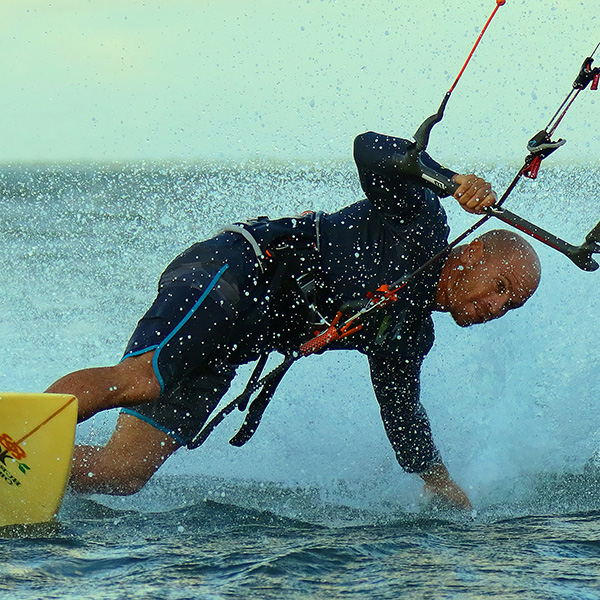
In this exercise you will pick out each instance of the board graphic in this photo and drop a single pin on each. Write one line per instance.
(37, 433)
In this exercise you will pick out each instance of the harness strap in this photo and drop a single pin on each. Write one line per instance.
(244, 397)
(260, 403)
(260, 254)
(249, 238)
(318, 215)
(306, 285)
(268, 384)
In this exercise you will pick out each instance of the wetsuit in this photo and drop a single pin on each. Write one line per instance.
(219, 307)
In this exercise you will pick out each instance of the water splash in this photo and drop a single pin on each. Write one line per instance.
(508, 401)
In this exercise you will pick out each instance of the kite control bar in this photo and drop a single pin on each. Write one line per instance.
(416, 163)
(580, 255)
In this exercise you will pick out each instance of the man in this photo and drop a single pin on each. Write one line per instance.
(227, 300)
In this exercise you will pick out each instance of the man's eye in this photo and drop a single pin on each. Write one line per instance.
(501, 286)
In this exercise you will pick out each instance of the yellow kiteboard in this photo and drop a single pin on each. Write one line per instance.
(37, 432)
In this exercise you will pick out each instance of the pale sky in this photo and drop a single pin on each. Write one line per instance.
(124, 80)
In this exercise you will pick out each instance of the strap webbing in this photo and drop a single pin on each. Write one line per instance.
(268, 384)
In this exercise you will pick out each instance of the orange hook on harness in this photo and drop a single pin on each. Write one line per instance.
(324, 338)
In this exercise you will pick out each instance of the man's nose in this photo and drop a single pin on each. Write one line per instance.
(498, 305)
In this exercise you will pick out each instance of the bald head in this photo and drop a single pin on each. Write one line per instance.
(516, 254)
(481, 281)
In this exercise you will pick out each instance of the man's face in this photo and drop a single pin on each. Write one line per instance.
(488, 289)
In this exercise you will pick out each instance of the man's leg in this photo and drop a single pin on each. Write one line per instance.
(134, 452)
(131, 382)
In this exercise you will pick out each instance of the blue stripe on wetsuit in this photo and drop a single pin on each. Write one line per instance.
(138, 352)
(173, 333)
(170, 432)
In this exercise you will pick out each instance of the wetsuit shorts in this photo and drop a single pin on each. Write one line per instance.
(202, 297)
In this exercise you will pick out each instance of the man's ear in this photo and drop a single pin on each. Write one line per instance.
(472, 253)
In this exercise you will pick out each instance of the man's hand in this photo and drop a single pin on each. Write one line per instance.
(437, 481)
(474, 193)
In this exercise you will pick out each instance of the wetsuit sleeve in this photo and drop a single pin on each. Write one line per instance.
(395, 195)
(406, 423)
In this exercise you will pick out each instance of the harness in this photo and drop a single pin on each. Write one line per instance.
(277, 259)
(288, 254)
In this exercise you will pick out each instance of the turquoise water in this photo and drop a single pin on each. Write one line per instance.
(315, 505)
(216, 550)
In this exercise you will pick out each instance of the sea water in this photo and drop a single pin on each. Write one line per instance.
(314, 506)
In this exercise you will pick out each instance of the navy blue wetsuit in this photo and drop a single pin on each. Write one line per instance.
(216, 309)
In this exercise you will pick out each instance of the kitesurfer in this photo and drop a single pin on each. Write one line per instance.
(262, 286)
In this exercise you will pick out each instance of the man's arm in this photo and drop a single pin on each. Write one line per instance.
(396, 386)
(379, 159)
(389, 190)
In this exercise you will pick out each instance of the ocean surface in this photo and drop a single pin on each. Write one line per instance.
(314, 506)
